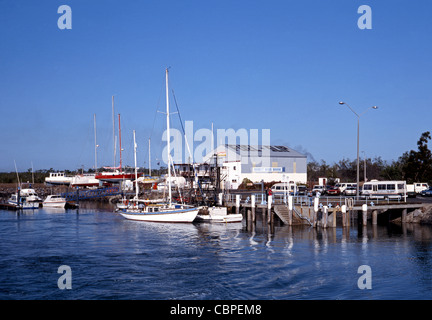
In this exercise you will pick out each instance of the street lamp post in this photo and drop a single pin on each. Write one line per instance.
(364, 165)
(358, 140)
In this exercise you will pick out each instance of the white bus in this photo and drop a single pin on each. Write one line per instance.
(384, 189)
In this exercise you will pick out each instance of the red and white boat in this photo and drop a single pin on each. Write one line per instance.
(115, 176)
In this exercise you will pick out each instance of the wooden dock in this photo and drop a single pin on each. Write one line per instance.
(316, 212)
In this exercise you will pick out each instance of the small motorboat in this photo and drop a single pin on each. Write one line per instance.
(54, 201)
(217, 214)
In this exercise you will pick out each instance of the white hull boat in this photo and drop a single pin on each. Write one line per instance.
(84, 180)
(180, 215)
(218, 215)
(58, 178)
(144, 210)
(54, 201)
(22, 203)
(157, 213)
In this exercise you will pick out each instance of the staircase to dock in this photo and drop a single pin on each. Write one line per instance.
(283, 213)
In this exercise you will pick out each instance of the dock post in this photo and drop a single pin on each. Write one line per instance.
(253, 207)
(248, 217)
(334, 217)
(269, 206)
(325, 216)
(220, 199)
(237, 203)
(375, 217)
(315, 214)
(404, 215)
(344, 215)
(290, 210)
(364, 209)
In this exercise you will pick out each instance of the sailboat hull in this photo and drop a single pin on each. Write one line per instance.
(177, 215)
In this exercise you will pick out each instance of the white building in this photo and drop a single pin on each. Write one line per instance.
(257, 163)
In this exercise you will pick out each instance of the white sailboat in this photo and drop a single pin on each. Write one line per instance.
(155, 211)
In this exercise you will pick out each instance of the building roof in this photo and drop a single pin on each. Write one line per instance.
(274, 151)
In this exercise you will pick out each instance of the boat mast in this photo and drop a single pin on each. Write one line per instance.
(136, 173)
(120, 143)
(149, 160)
(96, 146)
(168, 137)
(114, 138)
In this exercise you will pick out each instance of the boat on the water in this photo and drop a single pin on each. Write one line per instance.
(54, 201)
(145, 210)
(142, 210)
(218, 215)
(24, 199)
(30, 195)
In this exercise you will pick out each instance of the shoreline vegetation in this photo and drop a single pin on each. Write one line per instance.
(413, 166)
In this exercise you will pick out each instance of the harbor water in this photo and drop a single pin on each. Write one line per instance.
(113, 258)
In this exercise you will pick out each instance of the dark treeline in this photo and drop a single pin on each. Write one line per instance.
(412, 166)
(38, 176)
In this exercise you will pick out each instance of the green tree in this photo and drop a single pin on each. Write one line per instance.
(417, 165)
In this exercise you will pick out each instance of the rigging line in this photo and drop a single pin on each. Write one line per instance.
(184, 132)
(181, 121)
(187, 145)
(156, 112)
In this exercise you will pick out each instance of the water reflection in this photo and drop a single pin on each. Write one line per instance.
(128, 259)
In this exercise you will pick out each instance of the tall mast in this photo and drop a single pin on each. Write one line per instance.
(136, 173)
(168, 137)
(94, 122)
(114, 137)
(120, 143)
(149, 159)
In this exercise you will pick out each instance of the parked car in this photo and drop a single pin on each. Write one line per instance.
(427, 193)
(318, 188)
(334, 191)
(350, 191)
(302, 191)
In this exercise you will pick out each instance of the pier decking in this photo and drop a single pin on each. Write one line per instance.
(323, 212)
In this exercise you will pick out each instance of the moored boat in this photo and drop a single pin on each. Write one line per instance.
(217, 214)
(20, 202)
(161, 212)
(54, 201)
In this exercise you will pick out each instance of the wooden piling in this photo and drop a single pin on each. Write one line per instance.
(253, 207)
(404, 215)
(344, 216)
(325, 216)
(315, 212)
(237, 203)
(364, 215)
(290, 210)
(375, 217)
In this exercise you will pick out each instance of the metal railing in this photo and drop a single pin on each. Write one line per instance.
(306, 201)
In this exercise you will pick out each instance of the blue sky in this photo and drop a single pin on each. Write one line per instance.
(278, 65)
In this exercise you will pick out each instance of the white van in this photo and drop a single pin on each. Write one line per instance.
(344, 185)
(282, 188)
